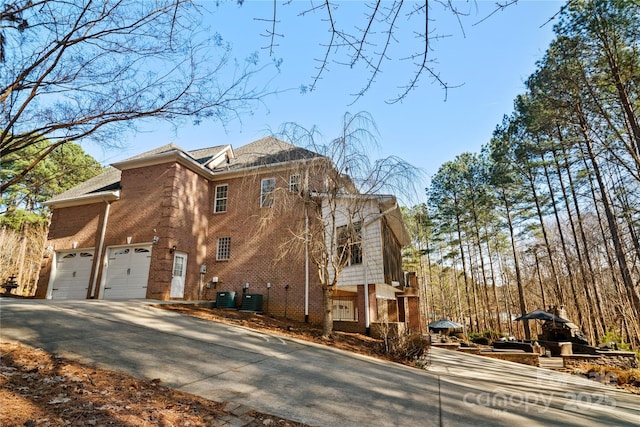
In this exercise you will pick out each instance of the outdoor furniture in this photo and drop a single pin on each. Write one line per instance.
(10, 284)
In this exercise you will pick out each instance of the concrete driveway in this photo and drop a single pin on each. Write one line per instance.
(310, 383)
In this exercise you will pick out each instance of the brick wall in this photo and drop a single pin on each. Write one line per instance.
(264, 247)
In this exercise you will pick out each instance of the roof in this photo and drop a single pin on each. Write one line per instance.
(263, 152)
(109, 180)
(267, 151)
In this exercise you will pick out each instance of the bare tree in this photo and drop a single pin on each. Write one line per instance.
(384, 32)
(93, 69)
(337, 192)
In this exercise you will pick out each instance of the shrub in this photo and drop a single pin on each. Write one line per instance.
(611, 336)
(484, 337)
(408, 347)
(610, 375)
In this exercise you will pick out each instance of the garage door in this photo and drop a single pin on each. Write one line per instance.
(127, 272)
(73, 274)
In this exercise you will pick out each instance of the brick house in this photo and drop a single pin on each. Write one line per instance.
(205, 224)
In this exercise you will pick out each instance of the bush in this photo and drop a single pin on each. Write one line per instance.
(611, 336)
(408, 347)
(484, 337)
(610, 375)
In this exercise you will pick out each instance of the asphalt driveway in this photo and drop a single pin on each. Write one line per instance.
(307, 382)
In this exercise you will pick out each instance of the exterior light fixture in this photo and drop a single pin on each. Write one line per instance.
(173, 249)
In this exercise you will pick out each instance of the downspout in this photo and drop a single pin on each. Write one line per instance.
(306, 267)
(100, 245)
(306, 248)
(367, 319)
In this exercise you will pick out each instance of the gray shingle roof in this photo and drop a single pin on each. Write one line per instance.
(107, 180)
(267, 151)
(163, 149)
(264, 151)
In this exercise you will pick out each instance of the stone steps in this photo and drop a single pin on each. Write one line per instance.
(551, 363)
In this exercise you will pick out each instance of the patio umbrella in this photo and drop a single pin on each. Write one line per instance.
(540, 314)
(444, 324)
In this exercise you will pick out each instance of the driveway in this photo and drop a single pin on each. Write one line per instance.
(306, 382)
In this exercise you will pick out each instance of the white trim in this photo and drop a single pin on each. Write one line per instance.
(265, 194)
(85, 199)
(215, 198)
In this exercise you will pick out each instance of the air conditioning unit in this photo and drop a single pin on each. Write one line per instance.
(226, 299)
(251, 302)
(395, 283)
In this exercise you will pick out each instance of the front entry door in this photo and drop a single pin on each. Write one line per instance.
(178, 275)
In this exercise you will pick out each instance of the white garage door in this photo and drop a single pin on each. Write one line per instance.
(127, 272)
(73, 274)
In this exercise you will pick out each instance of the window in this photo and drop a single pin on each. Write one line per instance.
(266, 192)
(294, 183)
(220, 202)
(350, 244)
(345, 308)
(224, 248)
(178, 265)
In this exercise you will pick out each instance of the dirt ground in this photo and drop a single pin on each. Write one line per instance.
(41, 389)
(356, 343)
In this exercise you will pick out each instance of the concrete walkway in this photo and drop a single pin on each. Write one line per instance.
(306, 382)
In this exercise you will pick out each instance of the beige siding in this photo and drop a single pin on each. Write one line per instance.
(371, 245)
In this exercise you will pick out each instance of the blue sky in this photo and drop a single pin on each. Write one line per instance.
(490, 61)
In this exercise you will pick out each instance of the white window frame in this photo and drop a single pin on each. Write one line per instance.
(345, 310)
(267, 188)
(223, 252)
(352, 241)
(217, 199)
(294, 183)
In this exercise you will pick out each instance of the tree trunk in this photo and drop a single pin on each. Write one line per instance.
(589, 278)
(572, 281)
(327, 304)
(534, 193)
(516, 261)
(613, 227)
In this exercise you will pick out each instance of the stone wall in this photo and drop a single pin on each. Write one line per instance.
(531, 359)
(614, 359)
